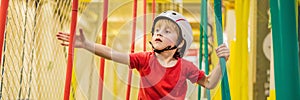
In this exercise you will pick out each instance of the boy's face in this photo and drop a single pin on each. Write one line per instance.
(164, 35)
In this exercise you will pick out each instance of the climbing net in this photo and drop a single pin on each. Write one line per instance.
(33, 67)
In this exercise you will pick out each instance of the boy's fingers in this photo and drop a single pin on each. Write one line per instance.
(65, 44)
(62, 36)
(67, 34)
(218, 49)
(81, 31)
(223, 52)
(63, 33)
(227, 52)
(221, 46)
(81, 34)
(63, 39)
(222, 49)
(223, 55)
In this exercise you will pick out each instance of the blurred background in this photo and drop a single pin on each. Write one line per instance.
(34, 64)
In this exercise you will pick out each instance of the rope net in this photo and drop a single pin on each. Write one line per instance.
(33, 66)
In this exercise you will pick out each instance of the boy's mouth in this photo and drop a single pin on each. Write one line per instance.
(159, 40)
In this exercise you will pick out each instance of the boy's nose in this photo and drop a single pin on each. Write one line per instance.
(158, 34)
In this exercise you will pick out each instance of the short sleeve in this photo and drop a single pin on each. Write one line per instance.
(194, 74)
(138, 60)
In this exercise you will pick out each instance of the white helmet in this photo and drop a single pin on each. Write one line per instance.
(184, 27)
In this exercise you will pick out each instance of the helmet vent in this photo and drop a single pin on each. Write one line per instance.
(174, 13)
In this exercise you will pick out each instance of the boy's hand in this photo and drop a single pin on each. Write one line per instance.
(223, 51)
(79, 39)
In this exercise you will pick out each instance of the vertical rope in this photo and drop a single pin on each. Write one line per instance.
(23, 49)
(153, 9)
(200, 47)
(204, 23)
(203, 31)
(206, 56)
(204, 20)
(71, 50)
(3, 14)
(145, 24)
(218, 18)
(132, 47)
(103, 41)
(298, 28)
(284, 35)
(36, 3)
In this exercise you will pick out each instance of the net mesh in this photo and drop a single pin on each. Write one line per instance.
(34, 65)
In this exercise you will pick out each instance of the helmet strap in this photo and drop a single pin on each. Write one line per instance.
(162, 50)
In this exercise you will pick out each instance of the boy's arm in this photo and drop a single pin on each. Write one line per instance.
(98, 49)
(212, 79)
(107, 52)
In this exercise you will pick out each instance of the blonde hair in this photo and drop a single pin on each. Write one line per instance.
(170, 24)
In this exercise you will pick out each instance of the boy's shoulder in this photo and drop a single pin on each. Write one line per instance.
(186, 62)
(188, 66)
(142, 53)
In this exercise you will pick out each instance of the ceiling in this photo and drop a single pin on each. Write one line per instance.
(120, 12)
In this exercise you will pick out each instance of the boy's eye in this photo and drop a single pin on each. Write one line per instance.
(156, 30)
(168, 32)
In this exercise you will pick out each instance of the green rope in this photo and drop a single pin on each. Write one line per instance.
(200, 57)
(204, 23)
(200, 51)
(285, 49)
(206, 57)
(218, 18)
(203, 31)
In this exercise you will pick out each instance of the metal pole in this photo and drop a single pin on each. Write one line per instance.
(286, 51)
(71, 50)
(153, 9)
(132, 47)
(3, 14)
(145, 24)
(103, 41)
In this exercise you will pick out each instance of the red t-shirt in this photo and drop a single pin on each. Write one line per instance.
(158, 82)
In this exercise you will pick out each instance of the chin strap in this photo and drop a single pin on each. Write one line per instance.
(165, 49)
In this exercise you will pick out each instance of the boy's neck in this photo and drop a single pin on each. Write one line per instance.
(166, 58)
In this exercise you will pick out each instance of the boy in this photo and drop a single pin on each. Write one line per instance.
(163, 72)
